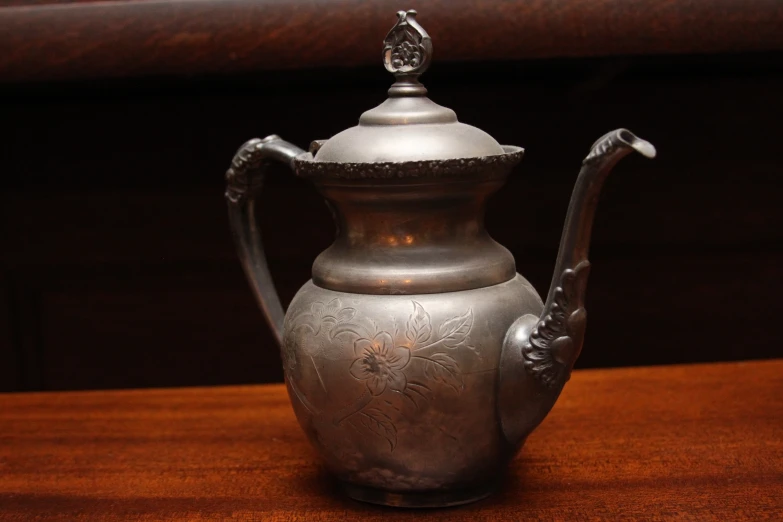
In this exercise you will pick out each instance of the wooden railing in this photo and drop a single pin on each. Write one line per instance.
(45, 40)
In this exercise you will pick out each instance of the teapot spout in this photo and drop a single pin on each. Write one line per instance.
(548, 346)
(560, 330)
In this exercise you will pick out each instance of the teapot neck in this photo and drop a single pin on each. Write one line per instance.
(411, 238)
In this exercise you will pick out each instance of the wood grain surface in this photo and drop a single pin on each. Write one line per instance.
(41, 40)
(690, 442)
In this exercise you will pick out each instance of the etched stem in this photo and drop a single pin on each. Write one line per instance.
(309, 407)
(358, 406)
(320, 379)
(430, 345)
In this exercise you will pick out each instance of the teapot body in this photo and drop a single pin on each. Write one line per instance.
(392, 351)
(398, 392)
(417, 360)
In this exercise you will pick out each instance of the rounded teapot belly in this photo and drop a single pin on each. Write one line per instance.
(398, 392)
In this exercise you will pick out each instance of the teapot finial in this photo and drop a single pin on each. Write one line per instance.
(407, 51)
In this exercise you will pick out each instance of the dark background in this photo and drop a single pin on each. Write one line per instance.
(116, 262)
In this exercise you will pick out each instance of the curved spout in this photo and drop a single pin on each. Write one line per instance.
(560, 330)
(549, 345)
(575, 241)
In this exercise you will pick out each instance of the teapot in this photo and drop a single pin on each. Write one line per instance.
(417, 359)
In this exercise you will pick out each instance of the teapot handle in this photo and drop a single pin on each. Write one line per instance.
(244, 180)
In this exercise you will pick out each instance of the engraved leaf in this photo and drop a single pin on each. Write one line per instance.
(306, 320)
(345, 315)
(417, 392)
(318, 309)
(456, 330)
(344, 328)
(442, 368)
(374, 327)
(379, 423)
(312, 346)
(333, 306)
(419, 327)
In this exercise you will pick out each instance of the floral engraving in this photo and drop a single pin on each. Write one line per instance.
(380, 363)
(321, 317)
(454, 331)
(386, 361)
(379, 423)
(419, 327)
(442, 368)
(326, 316)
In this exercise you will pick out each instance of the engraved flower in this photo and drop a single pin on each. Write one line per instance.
(380, 363)
(404, 54)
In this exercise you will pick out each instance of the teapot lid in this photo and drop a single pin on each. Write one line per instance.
(408, 126)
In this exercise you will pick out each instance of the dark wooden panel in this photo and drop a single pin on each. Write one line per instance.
(668, 308)
(44, 40)
(24, 348)
(133, 327)
(694, 442)
(715, 182)
(155, 226)
(115, 239)
(10, 374)
(171, 326)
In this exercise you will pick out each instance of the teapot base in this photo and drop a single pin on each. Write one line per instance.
(424, 499)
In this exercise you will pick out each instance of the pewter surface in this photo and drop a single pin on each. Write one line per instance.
(398, 392)
(416, 359)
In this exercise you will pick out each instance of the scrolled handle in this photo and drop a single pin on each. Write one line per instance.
(244, 180)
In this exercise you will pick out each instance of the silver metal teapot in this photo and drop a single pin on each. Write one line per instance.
(417, 360)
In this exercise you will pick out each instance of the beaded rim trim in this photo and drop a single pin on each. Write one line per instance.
(485, 166)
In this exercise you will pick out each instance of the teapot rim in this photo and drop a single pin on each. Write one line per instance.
(482, 167)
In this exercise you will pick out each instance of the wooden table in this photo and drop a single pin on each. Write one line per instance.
(692, 442)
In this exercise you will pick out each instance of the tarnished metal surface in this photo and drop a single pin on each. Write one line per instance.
(398, 392)
(408, 126)
(244, 180)
(417, 360)
(540, 350)
(412, 227)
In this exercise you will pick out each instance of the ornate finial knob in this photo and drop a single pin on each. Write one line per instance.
(407, 49)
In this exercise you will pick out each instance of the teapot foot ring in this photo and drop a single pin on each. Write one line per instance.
(425, 499)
